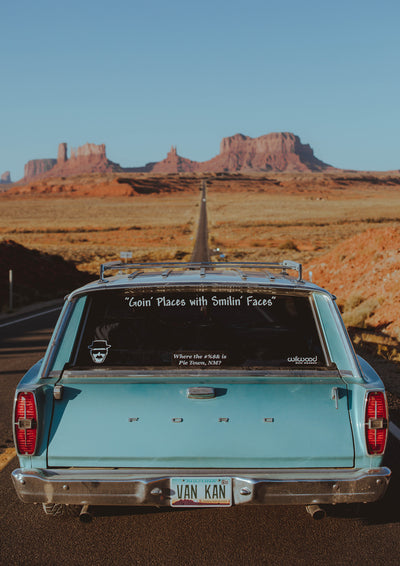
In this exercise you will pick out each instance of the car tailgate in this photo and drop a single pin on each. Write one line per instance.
(263, 423)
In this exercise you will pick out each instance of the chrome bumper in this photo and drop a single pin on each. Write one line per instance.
(152, 486)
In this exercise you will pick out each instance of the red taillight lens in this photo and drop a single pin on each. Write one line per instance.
(376, 422)
(25, 423)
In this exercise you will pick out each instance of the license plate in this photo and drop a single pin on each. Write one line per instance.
(201, 492)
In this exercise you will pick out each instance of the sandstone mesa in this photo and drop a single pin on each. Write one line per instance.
(89, 158)
(280, 152)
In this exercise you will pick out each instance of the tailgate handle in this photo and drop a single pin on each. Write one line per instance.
(200, 393)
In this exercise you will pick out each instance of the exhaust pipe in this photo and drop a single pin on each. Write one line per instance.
(316, 512)
(85, 516)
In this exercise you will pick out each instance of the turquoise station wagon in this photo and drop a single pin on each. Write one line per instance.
(210, 384)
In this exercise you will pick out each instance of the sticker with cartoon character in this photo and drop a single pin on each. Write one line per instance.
(99, 350)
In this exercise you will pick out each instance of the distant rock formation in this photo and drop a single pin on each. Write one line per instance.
(273, 152)
(89, 151)
(6, 177)
(174, 163)
(62, 156)
(89, 158)
(38, 167)
(281, 151)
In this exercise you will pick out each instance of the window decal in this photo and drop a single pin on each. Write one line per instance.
(190, 329)
(99, 350)
(137, 302)
(199, 359)
(299, 360)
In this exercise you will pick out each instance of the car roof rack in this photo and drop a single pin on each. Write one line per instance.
(168, 267)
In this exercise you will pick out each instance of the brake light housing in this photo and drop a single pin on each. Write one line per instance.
(25, 423)
(376, 422)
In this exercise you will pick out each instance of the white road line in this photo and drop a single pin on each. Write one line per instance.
(395, 430)
(28, 317)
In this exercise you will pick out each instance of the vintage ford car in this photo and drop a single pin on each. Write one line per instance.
(200, 385)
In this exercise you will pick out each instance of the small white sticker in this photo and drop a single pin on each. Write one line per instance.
(298, 360)
(99, 350)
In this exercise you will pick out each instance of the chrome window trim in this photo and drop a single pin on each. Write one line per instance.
(342, 331)
(321, 335)
(58, 333)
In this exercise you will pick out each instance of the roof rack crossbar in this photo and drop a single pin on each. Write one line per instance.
(168, 267)
(241, 273)
(135, 273)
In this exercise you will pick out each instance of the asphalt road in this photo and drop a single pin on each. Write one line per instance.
(201, 252)
(236, 536)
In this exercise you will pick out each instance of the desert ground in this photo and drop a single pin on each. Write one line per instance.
(91, 219)
(90, 231)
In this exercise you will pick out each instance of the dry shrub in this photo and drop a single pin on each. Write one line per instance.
(353, 301)
(358, 315)
(289, 245)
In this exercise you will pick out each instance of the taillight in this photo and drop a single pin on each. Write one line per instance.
(376, 422)
(25, 423)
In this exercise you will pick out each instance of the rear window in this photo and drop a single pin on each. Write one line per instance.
(197, 330)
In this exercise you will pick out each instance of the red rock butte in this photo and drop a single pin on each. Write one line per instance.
(174, 163)
(272, 152)
(281, 152)
(89, 158)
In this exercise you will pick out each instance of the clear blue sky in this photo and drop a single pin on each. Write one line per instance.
(141, 76)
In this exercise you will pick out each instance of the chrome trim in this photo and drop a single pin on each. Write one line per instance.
(200, 393)
(345, 338)
(152, 486)
(241, 375)
(58, 332)
(320, 330)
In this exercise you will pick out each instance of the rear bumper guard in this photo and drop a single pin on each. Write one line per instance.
(152, 487)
